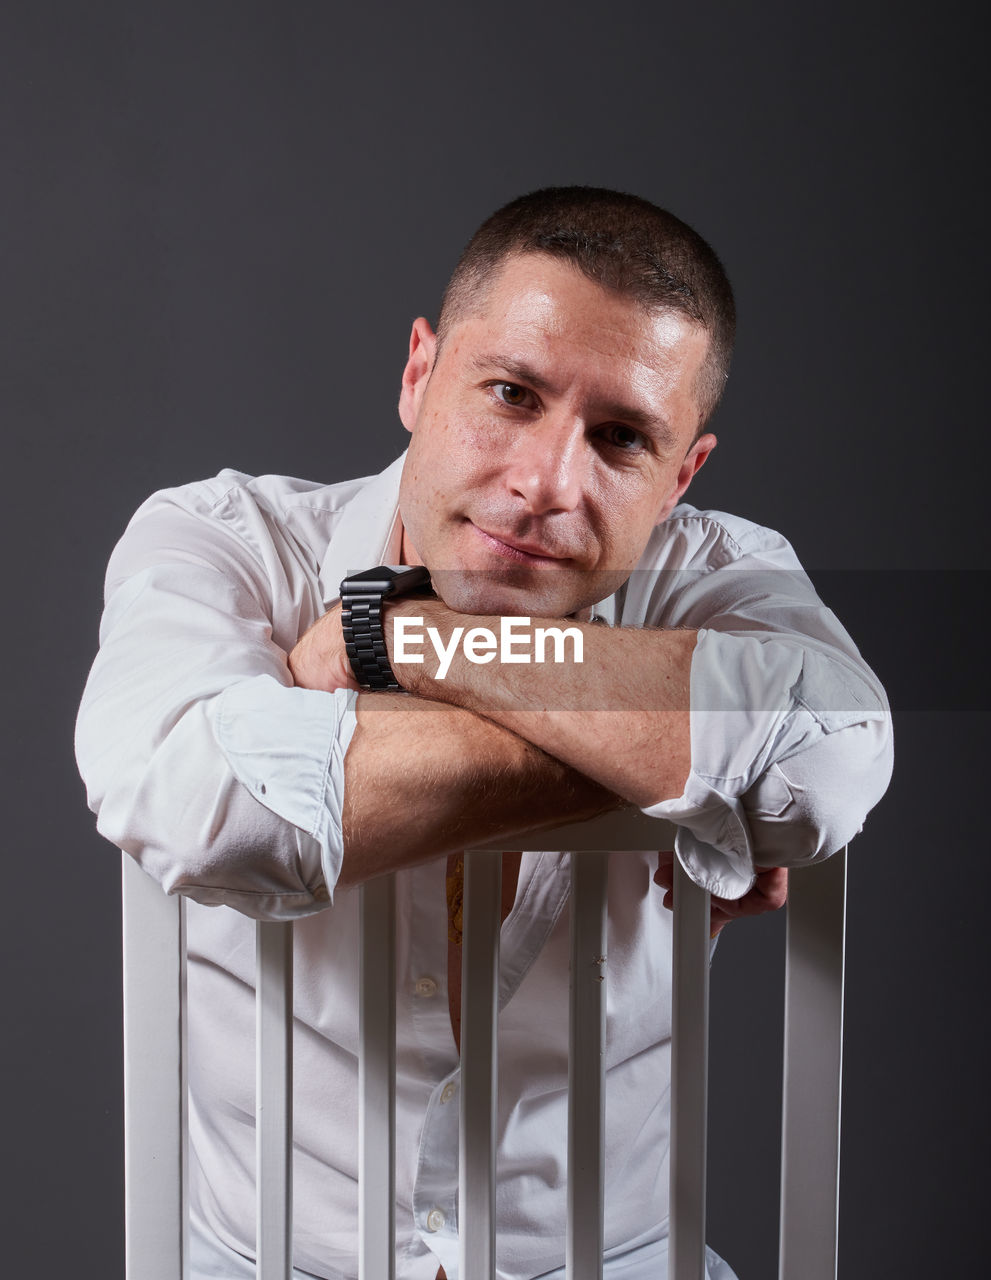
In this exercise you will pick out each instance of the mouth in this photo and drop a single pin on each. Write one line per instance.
(517, 551)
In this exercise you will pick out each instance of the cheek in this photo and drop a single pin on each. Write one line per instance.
(626, 515)
(448, 457)
(463, 448)
(479, 436)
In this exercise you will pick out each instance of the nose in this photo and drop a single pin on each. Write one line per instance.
(547, 466)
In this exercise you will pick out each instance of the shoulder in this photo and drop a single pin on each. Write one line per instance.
(698, 564)
(228, 494)
(703, 540)
(248, 504)
(237, 520)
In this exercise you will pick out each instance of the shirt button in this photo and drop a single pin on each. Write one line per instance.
(425, 987)
(450, 1090)
(435, 1220)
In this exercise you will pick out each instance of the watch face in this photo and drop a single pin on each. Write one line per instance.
(385, 580)
(409, 577)
(371, 581)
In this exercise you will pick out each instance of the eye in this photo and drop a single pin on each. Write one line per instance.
(510, 393)
(626, 439)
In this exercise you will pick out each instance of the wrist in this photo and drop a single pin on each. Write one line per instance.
(412, 656)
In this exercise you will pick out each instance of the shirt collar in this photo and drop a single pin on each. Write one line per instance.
(369, 532)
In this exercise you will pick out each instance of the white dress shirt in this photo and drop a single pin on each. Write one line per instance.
(205, 763)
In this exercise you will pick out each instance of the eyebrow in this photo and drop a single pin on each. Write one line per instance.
(520, 371)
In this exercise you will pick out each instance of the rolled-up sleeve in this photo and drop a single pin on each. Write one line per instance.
(791, 741)
(200, 758)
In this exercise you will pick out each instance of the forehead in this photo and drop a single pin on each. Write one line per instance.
(542, 313)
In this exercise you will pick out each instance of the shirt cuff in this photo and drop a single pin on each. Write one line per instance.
(286, 746)
(712, 842)
(757, 700)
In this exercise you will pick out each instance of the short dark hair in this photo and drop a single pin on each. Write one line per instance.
(619, 241)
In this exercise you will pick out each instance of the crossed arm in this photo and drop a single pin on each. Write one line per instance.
(522, 745)
(620, 717)
(502, 752)
(484, 782)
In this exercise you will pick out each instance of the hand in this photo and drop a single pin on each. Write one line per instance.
(770, 892)
(319, 659)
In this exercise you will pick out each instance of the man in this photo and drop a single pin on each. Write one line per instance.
(557, 417)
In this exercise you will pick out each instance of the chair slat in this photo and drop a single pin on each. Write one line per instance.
(689, 1077)
(586, 1066)
(155, 1128)
(273, 1098)
(479, 1075)
(810, 1125)
(377, 1081)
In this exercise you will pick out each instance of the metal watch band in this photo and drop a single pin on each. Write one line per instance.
(362, 595)
(364, 641)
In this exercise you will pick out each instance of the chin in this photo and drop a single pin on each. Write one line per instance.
(542, 593)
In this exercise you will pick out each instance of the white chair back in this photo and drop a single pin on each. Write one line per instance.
(155, 1068)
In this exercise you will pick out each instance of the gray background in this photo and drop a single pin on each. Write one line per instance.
(218, 222)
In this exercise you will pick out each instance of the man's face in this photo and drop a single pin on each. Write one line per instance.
(549, 438)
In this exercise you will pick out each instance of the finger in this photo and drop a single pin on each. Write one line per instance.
(772, 885)
(718, 920)
(746, 906)
(769, 893)
(664, 875)
(772, 882)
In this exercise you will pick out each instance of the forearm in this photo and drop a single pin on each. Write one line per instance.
(423, 779)
(620, 716)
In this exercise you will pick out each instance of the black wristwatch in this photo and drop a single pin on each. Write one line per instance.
(361, 619)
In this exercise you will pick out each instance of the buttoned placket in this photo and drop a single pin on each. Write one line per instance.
(424, 997)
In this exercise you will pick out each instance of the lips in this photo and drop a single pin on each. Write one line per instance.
(515, 549)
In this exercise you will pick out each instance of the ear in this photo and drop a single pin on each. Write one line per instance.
(694, 459)
(416, 375)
